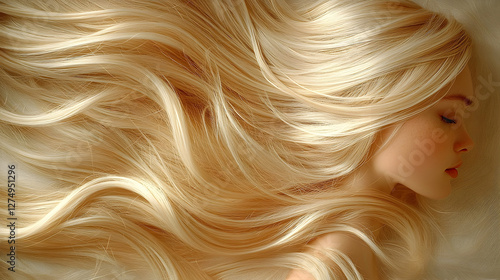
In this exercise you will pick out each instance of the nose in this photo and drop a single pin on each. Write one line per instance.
(464, 142)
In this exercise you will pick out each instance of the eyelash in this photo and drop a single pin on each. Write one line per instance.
(449, 121)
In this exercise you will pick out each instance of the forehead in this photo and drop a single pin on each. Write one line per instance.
(463, 83)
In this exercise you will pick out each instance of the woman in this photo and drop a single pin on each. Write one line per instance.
(423, 157)
(230, 139)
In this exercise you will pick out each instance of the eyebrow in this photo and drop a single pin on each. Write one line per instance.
(467, 101)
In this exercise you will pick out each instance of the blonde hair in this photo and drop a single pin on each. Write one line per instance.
(206, 139)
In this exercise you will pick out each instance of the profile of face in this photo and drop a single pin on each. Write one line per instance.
(424, 153)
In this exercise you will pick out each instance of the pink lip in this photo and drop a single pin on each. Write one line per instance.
(452, 172)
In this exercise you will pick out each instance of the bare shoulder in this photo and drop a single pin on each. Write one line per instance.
(352, 246)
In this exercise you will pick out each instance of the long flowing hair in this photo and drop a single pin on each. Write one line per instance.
(206, 139)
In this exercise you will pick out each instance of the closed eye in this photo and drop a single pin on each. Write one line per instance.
(446, 120)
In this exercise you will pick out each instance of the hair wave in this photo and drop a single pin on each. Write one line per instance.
(206, 139)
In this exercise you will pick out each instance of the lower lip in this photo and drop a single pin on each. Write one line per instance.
(452, 172)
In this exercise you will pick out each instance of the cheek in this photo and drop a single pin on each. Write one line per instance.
(408, 150)
(415, 157)
(420, 165)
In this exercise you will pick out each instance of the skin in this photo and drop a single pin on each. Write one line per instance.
(423, 149)
(416, 158)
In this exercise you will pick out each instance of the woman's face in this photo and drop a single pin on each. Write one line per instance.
(427, 146)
